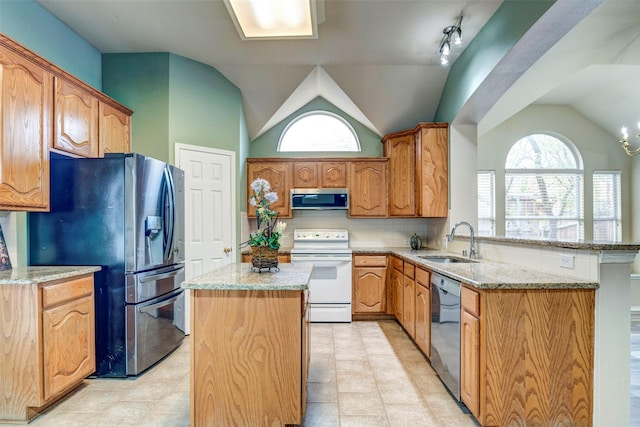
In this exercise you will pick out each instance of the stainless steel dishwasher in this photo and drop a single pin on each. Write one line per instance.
(445, 331)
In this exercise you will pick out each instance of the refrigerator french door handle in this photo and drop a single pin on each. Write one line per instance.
(163, 275)
(160, 304)
(170, 223)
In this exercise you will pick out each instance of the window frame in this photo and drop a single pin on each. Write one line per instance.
(616, 218)
(340, 119)
(491, 194)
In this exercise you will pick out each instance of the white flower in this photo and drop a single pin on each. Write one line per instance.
(259, 185)
(252, 201)
(280, 227)
(271, 196)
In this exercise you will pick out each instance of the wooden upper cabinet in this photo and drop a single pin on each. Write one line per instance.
(401, 151)
(333, 174)
(26, 101)
(279, 176)
(115, 130)
(305, 175)
(419, 171)
(368, 188)
(432, 168)
(314, 174)
(76, 120)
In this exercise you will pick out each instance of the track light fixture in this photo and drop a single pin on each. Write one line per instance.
(451, 33)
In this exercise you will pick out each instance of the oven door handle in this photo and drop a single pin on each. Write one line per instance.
(160, 304)
(327, 263)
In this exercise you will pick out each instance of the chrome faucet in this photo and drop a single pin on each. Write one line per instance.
(472, 243)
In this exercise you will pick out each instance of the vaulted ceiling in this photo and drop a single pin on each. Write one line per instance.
(378, 60)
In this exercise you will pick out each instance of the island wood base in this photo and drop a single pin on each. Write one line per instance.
(249, 357)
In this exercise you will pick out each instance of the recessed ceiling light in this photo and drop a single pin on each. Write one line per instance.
(274, 19)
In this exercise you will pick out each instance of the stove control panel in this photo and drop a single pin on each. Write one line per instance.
(320, 235)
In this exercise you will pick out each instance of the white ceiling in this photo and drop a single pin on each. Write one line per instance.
(378, 59)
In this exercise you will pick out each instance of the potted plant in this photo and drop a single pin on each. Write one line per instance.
(265, 242)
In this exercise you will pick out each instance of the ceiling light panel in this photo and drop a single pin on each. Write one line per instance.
(273, 19)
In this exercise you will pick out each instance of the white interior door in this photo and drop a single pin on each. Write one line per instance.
(210, 226)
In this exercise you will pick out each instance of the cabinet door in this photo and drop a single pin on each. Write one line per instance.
(115, 130)
(397, 285)
(369, 290)
(306, 349)
(76, 120)
(279, 176)
(401, 151)
(423, 319)
(433, 170)
(368, 189)
(333, 175)
(68, 344)
(409, 310)
(26, 97)
(470, 362)
(305, 175)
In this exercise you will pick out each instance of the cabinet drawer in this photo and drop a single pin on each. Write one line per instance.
(422, 277)
(396, 263)
(470, 301)
(409, 270)
(66, 290)
(370, 261)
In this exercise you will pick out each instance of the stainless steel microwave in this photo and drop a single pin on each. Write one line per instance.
(319, 198)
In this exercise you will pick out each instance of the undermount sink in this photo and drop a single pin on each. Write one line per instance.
(445, 258)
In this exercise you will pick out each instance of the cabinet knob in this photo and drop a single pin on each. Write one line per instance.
(227, 250)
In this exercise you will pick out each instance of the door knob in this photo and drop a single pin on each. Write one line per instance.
(227, 250)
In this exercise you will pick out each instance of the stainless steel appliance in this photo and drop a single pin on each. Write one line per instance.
(445, 331)
(319, 198)
(330, 283)
(123, 212)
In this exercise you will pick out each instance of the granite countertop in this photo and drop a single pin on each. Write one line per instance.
(238, 277)
(587, 245)
(487, 274)
(32, 275)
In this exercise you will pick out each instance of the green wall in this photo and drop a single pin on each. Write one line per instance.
(267, 144)
(28, 23)
(503, 30)
(141, 82)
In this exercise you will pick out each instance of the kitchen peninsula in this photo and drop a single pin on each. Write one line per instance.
(249, 345)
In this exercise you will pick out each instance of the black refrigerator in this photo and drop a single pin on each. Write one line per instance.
(125, 213)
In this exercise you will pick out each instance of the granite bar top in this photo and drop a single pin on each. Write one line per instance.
(585, 245)
(486, 274)
(33, 275)
(238, 277)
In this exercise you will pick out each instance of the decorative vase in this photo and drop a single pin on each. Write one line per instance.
(264, 258)
(416, 242)
(5, 261)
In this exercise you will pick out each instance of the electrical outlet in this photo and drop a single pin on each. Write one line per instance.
(566, 261)
(406, 241)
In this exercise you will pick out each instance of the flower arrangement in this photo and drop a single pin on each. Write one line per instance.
(269, 228)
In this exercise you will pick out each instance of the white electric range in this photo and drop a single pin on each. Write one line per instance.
(330, 283)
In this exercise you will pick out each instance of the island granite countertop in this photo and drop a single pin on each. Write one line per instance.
(32, 275)
(484, 274)
(238, 277)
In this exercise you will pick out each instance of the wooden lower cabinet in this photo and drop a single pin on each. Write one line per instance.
(249, 357)
(47, 343)
(409, 297)
(369, 284)
(397, 287)
(423, 311)
(527, 356)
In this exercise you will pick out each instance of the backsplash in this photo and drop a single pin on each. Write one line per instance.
(363, 232)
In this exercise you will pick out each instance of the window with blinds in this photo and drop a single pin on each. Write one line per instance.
(486, 203)
(607, 206)
(543, 190)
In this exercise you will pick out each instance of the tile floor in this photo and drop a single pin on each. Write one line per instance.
(361, 374)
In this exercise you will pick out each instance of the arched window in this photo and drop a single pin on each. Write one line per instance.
(544, 190)
(319, 131)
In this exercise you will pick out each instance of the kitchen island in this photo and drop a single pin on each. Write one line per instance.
(249, 345)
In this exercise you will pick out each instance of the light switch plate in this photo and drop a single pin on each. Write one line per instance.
(566, 261)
